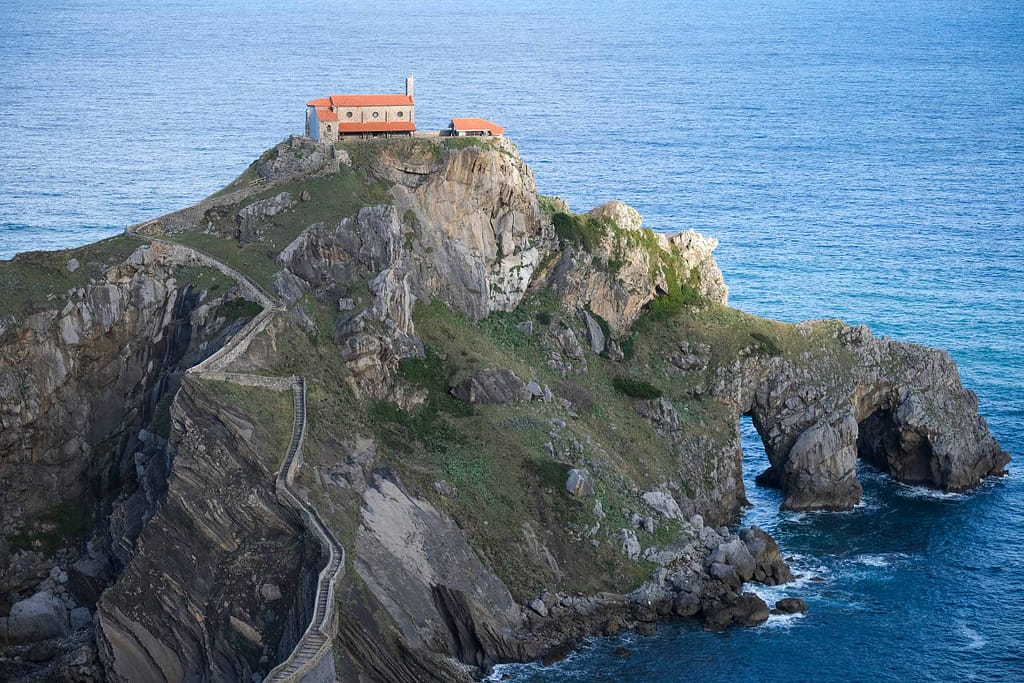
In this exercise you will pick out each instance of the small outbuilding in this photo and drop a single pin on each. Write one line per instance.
(473, 126)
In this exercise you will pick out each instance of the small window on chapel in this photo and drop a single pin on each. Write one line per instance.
(348, 115)
(328, 128)
(376, 114)
(401, 114)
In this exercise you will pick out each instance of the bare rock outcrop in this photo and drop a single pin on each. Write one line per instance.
(253, 218)
(492, 386)
(619, 276)
(417, 565)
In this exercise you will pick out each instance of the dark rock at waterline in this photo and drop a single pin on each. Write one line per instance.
(557, 653)
(770, 569)
(791, 605)
(747, 609)
(623, 652)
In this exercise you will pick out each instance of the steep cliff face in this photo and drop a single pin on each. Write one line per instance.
(79, 380)
(86, 378)
(463, 225)
(216, 589)
(523, 422)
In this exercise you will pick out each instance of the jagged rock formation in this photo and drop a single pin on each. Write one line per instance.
(464, 227)
(618, 294)
(523, 423)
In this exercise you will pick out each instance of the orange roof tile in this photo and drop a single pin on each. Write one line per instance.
(370, 100)
(376, 127)
(477, 124)
(326, 115)
(319, 102)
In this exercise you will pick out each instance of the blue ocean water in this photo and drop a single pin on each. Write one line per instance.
(861, 160)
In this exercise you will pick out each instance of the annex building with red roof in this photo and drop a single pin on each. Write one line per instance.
(473, 126)
(334, 117)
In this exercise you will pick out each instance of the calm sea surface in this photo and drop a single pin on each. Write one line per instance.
(861, 160)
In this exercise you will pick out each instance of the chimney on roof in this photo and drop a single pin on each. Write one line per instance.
(408, 85)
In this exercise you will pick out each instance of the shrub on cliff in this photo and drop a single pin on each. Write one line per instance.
(635, 388)
(580, 229)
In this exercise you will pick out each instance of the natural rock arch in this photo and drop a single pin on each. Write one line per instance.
(898, 406)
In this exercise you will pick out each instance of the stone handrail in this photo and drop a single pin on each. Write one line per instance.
(315, 644)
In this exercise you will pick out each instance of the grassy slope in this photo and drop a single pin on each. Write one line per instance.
(32, 281)
(495, 455)
(269, 411)
(332, 197)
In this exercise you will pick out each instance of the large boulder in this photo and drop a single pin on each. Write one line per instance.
(746, 609)
(664, 503)
(39, 617)
(253, 218)
(769, 567)
(492, 386)
(732, 554)
(580, 483)
(791, 605)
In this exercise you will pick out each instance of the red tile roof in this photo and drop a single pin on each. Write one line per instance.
(370, 100)
(319, 102)
(376, 127)
(477, 124)
(326, 115)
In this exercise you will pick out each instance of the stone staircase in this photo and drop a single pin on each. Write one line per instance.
(315, 642)
(314, 647)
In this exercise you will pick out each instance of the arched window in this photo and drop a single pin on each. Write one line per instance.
(328, 128)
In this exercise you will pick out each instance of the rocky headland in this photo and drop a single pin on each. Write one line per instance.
(520, 423)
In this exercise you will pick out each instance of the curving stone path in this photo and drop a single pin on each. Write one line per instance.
(313, 651)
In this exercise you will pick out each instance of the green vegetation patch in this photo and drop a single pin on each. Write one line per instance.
(62, 524)
(332, 197)
(239, 309)
(270, 411)
(204, 279)
(580, 229)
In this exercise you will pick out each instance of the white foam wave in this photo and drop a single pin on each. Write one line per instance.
(869, 560)
(909, 491)
(975, 641)
(783, 620)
